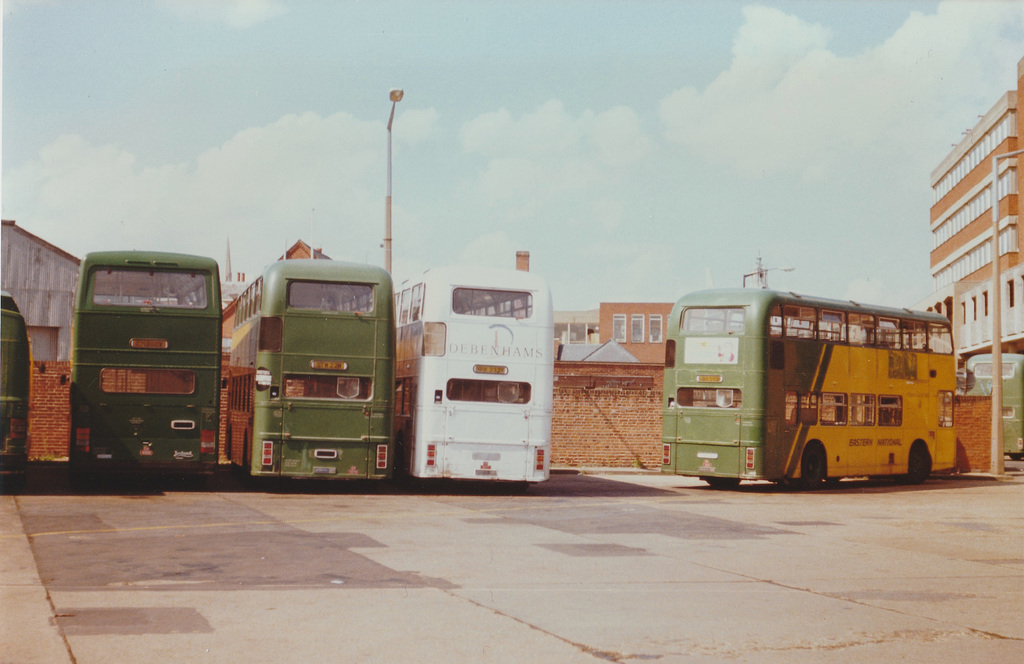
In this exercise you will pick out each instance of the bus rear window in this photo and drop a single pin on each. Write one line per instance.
(486, 302)
(714, 321)
(699, 397)
(173, 289)
(312, 386)
(330, 296)
(493, 391)
(147, 381)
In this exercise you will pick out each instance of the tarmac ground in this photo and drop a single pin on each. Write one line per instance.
(594, 566)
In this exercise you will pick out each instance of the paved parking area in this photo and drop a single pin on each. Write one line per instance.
(620, 567)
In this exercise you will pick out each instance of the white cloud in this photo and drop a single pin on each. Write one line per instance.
(232, 13)
(415, 126)
(548, 162)
(787, 104)
(303, 176)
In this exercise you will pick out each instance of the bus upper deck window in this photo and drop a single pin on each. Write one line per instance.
(888, 335)
(714, 320)
(862, 329)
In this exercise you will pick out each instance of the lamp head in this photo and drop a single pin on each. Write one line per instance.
(396, 95)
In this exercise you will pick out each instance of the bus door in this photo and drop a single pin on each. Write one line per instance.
(325, 425)
(487, 428)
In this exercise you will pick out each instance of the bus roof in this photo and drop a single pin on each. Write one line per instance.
(307, 268)
(765, 299)
(1008, 358)
(154, 259)
(481, 277)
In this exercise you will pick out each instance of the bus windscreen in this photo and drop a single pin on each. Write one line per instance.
(330, 296)
(175, 289)
(487, 302)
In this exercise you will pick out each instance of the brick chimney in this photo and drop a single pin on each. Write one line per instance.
(523, 261)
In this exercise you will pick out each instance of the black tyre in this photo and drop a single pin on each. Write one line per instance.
(919, 464)
(813, 468)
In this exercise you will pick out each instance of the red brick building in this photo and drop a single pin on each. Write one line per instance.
(639, 327)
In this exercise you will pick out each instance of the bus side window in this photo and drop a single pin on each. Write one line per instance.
(417, 303)
(775, 322)
(792, 407)
(404, 307)
(890, 411)
(809, 408)
(862, 329)
(833, 409)
(915, 336)
(940, 339)
(832, 326)
(889, 333)
(862, 410)
(799, 321)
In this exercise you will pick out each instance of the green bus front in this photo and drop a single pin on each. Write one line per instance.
(146, 353)
(14, 397)
(713, 418)
(324, 383)
(1013, 396)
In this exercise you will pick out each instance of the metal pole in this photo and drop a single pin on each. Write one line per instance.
(387, 200)
(997, 466)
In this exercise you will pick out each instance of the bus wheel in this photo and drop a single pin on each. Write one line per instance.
(919, 464)
(813, 468)
(722, 482)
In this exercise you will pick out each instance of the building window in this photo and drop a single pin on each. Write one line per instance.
(1009, 292)
(636, 329)
(655, 323)
(619, 328)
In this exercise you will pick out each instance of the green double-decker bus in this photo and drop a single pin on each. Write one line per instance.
(15, 358)
(312, 377)
(145, 370)
(1013, 396)
(764, 385)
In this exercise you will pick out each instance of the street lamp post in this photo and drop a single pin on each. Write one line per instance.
(396, 96)
(997, 467)
(761, 272)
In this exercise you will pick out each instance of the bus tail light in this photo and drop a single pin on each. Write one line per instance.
(540, 460)
(382, 457)
(268, 453)
(431, 455)
(666, 454)
(670, 354)
(82, 435)
(207, 441)
(434, 338)
(750, 458)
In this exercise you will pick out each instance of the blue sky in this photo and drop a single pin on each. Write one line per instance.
(639, 150)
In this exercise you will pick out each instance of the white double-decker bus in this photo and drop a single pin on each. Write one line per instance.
(474, 375)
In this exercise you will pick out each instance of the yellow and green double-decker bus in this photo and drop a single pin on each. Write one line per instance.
(312, 381)
(15, 359)
(145, 369)
(764, 385)
(1013, 396)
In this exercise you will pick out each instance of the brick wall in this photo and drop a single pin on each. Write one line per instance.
(973, 417)
(49, 425)
(607, 414)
